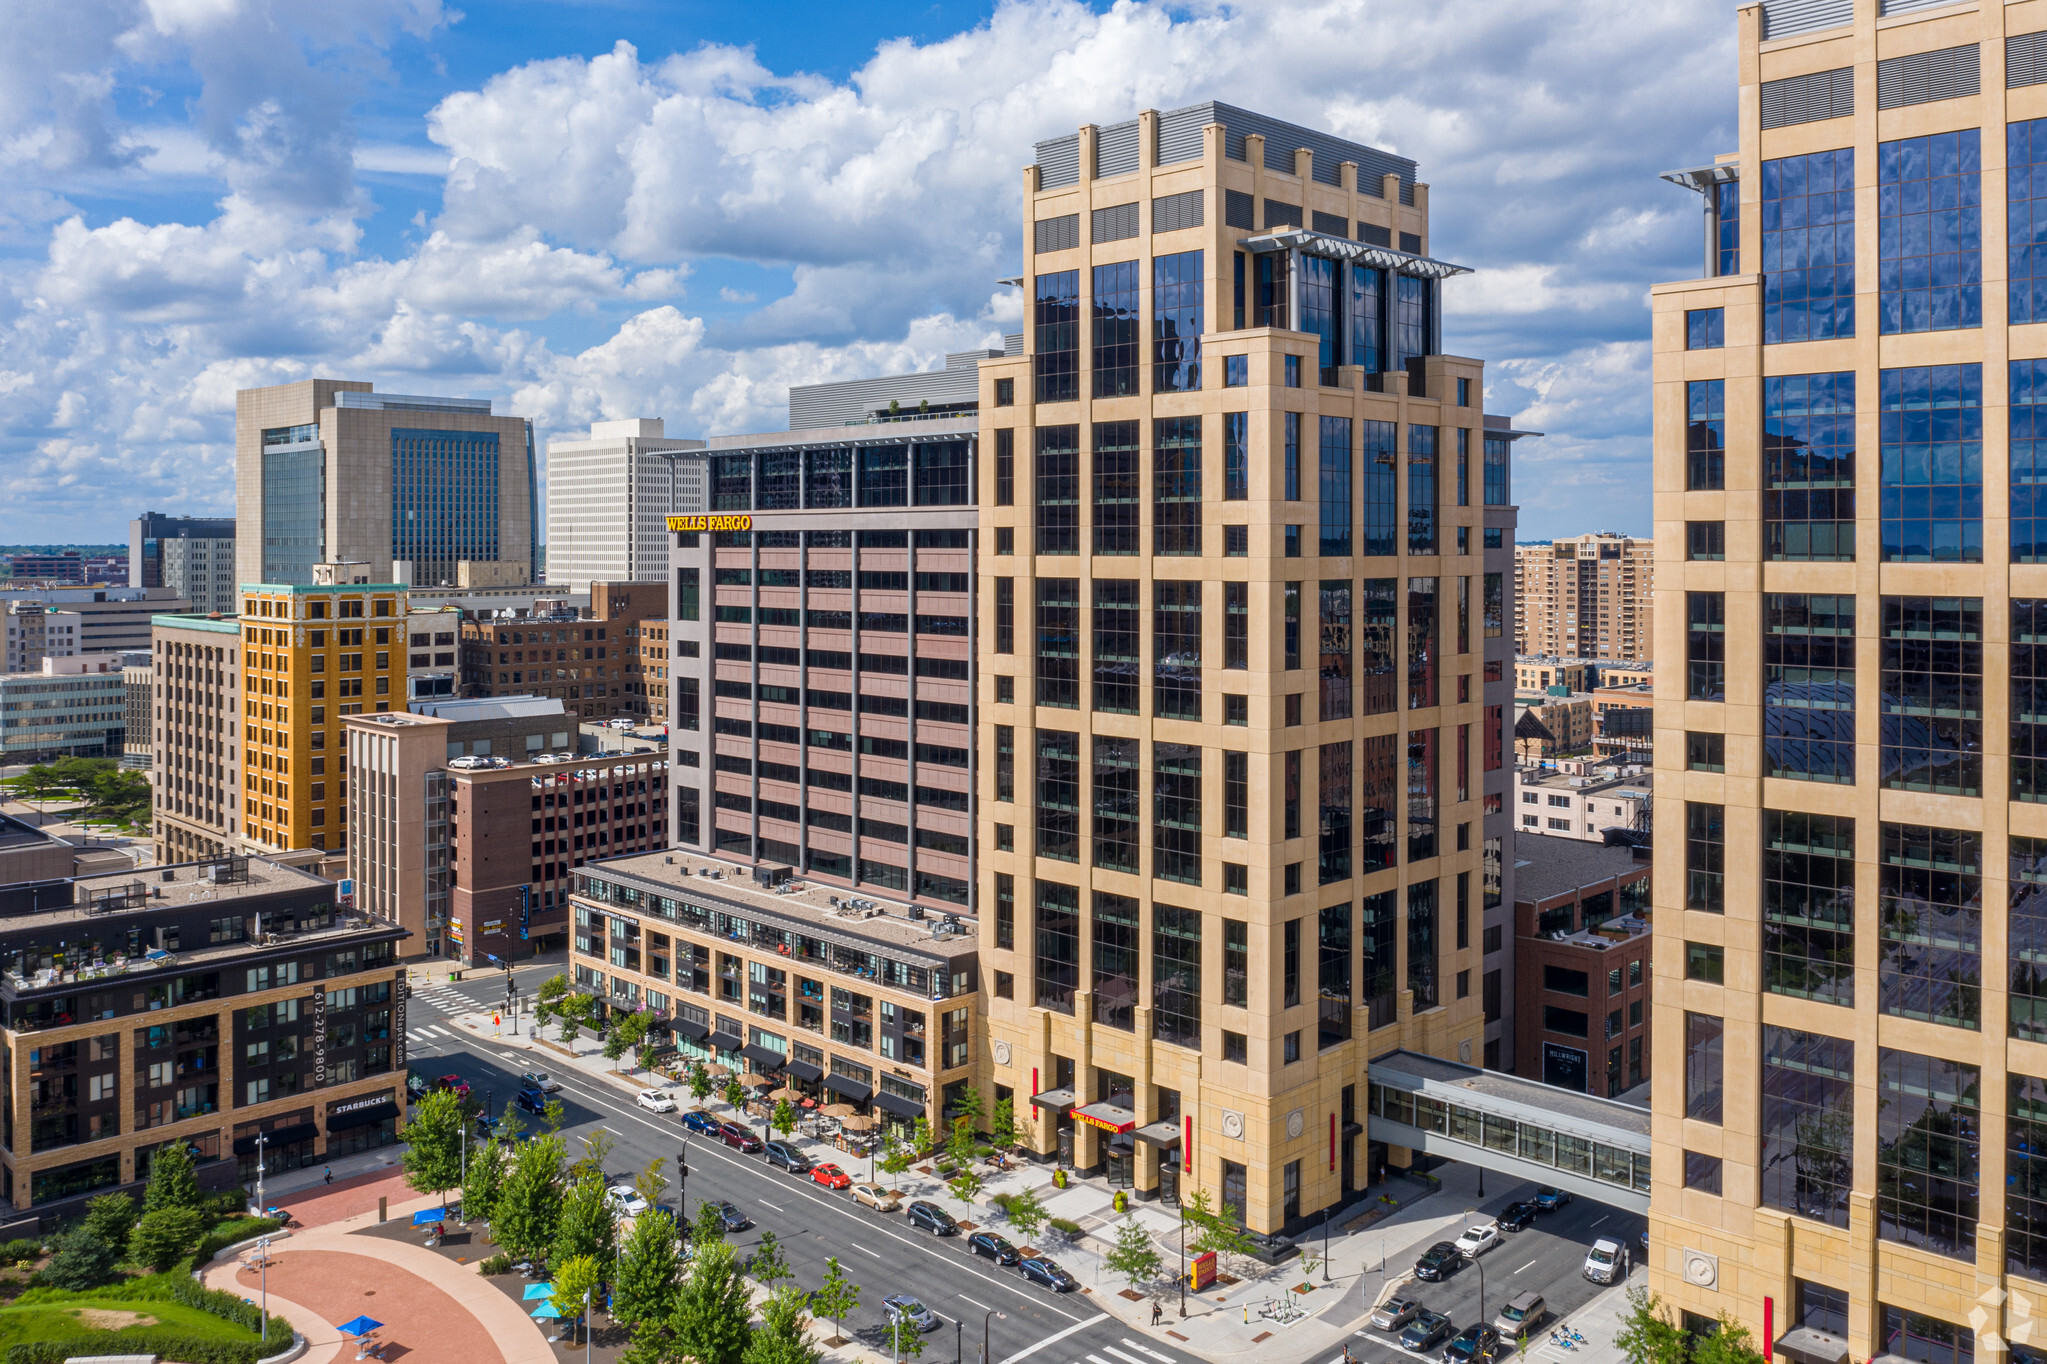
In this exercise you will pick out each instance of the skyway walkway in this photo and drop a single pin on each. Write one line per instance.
(1595, 1148)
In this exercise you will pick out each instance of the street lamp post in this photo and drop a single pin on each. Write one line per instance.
(1325, 1245)
(263, 1260)
(682, 1183)
(262, 1138)
(1183, 1258)
(991, 1312)
(586, 1326)
(959, 1341)
(1480, 1262)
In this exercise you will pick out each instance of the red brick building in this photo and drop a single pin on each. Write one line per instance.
(590, 661)
(1581, 964)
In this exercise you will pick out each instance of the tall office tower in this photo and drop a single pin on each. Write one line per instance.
(311, 655)
(1848, 1007)
(196, 737)
(193, 554)
(328, 471)
(820, 699)
(609, 497)
(1588, 596)
(1242, 673)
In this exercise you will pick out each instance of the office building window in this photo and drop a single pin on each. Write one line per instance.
(1058, 672)
(1808, 1121)
(1176, 648)
(1005, 910)
(1334, 796)
(1381, 466)
(2025, 1199)
(1116, 663)
(1423, 793)
(1421, 643)
(1421, 944)
(1727, 241)
(1236, 625)
(1929, 233)
(1933, 680)
(1706, 646)
(1176, 285)
(1117, 509)
(2026, 941)
(1333, 993)
(1055, 367)
(1176, 975)
(1930, 438)
(1705, 328)
(1333, 485)
(1497, 452)
(1706, 435)
(1334, 605)
(1930, 889)
(1114, 982)
(1176, 485)
(1702, 1173)
(1704, 1076)
(1809, 467)
(2026, 220)
(1809, 906)
(1809, 246)
(1705, 541)
(1005, 466)
(1116, 339)
(1421, 490)
(1236, 456)
(2029, 441)
(1058, 490)
(1058, 795)
(1005, 762)
(1236, 963)
(1928, 1120)
(1820, 1308)
(1055, 929)
(1809, 686)
(1290, 617)
(1116, 803)
(1376, 640)
(1382, 776)
(1176, 812)
(1705, 857)
(1290, 423)
(1005, 615)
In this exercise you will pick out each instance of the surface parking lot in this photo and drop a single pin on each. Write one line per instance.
(1547, 1258)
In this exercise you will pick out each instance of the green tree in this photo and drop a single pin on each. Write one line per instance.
(965, 1185)
(780, 1338)
(1647, 1334)
(111, 1217)
(597, 1146)
(699, 1081)
(1002, 1125)
(164, 1237)
(83, 1259)
(768, 1265)
(552, 1115)
(529, 1206)
(644, 1289)
(554, 987)
(1731, 1344)
(735, 1092)
(627, 1032)
(712, 1318)
(1218, 1232)
(172, 1183)
(652, 1182)
(572, 1279)
(905, 1340)
(971, 1105)
(1026, 1214)
(1134, 1256)
(709, 1226)
(486, 1178)
(834, 1298)
(588, 1226)
(433, 1143)
(895, 1161)
(785, 1118)
(923, 1139)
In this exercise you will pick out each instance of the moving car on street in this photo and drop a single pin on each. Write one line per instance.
(908, 1310)
(1040, 1270)
(1516, 1216)
(627, 1199)
(731, 1216)
(1425, 1332)
(696, 1120)
(1549, 1200)
(1395, 1313)
(1476, 1241)
(542, 1081)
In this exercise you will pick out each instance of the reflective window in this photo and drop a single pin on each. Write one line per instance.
(1176, 284)
(1931, 465)
(1057, 480)
(1809, 686)
(1056, 934)
(2026, 941)
(1930, 233)
(1176, 485)
(1058, 795)
(1176, 812)
(1381, 488)
(1116, 803)
(1421, 490)
(1808, 206)
(1176, 975)
(1055, 368)
(1333, 486)
(1930, 904)
(1116, 343)
(1808, 1136)
(1117, 511)
(1706, 435)
(1932, 688)
(1809, 466)
(1114, 979)
(1809, 906)
(1928, 1129)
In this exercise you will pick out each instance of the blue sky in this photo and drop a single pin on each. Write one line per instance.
(589, 210)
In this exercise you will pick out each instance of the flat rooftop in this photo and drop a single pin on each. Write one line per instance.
(1545, 867)
(733, 890)
(188, 884)
(15, 833)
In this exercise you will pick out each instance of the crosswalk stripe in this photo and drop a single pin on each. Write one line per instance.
(1128, 1359)
(1147, 1350)
(440, 1032)
(1096, 1359)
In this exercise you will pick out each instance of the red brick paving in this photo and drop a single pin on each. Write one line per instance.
(420, 1321)
(346, 1198)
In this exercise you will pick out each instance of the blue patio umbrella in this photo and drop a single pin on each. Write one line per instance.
(361, 1326)
(426, 1215)
(537, 1290)
(546, 1309)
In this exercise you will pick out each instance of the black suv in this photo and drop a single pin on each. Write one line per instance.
(1438, 1262)
(933, 1219)
(787, 1157)
(1517, 1216)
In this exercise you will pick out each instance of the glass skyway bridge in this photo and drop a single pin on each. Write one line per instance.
(1595, 1148)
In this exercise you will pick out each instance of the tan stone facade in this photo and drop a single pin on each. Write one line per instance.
(1589, 596)
(196, 707)
(1087, 969)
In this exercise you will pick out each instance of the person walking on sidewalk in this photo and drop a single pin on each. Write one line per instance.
(330, 1174)
(1156, 1312)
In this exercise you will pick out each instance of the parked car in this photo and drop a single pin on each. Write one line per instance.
(908, 1310)
(731, 1216)
(1516, 1216)
(1606, 1261)
(994, 1247)
(532, 1101)
(696, 1120)
(1524, 1312)
(627, 1199)
(1549, 1200)
(830, 1175)
(1472, 1344)
(1438, 1262)
(542, 1081)
(655, 1101)
(1476, 1241)
(1038, 1269)
(1395, 1313)
(933, 1219)
(453, 1082)
(877, 1198)
(732, 1134)
(787, 1157)
(1425, 1332)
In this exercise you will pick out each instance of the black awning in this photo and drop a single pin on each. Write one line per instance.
(724, 1041)
(1058, 1100)
(362, 1117)
(852, 1089)
(695, 1032)
(896, 1104)
(1351, 1129)
(1164, 1135)
(804, 1071)
(283, 1136)
(763, 1057)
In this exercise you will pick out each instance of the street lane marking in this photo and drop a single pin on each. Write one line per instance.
(982, 1305)
(1147, 1350)
(1128, 1359)
(864, 1250)
(1601, 1218)
(1030, 1350)
(767, 1204)
(1096, 1359)
(1524, 1266)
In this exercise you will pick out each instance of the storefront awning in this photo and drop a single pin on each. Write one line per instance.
(1164, 1135)
(1058, 1100)
(724, 1041)
(1106, 1116)
(896, 1104)
(764, 1058)
(284, 1136)
(695, 1032)
(362, 1117)
(1804, 1345)
(852, 1089)
(804, 1071)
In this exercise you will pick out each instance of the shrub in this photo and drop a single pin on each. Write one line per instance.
(1000, 1202)
(169, 1344)
(499, 1263)
(21, 1248)
(1064, 1226)
(227, 1233)
(163, 1237)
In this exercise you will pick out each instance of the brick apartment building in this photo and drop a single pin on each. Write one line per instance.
(1581, 964)
(586, 660)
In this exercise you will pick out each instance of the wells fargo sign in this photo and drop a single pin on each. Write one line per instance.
(710, 523)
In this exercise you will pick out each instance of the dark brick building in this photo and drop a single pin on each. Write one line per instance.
(1581, 964)
(588, 660)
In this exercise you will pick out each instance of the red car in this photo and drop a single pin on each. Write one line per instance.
(453, 1082)
(831, 1176)
(736, 1136)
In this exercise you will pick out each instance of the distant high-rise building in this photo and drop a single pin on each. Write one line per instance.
(35, 632)
(609, 497)
(328, 471)
(196, 736)
(1587, 596)
(194, 555)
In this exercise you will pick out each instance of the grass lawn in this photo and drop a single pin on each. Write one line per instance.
(78, 1320)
